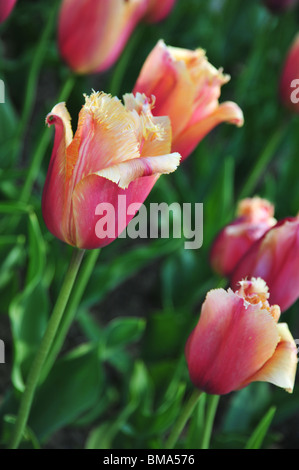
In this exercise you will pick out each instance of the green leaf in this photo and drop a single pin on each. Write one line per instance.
(73, 387)
(256, 439)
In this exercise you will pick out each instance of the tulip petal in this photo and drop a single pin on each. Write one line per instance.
(280, 369)
(126, 172)
(232, 340)
(186, 142)
(53, 199)
(93, 191)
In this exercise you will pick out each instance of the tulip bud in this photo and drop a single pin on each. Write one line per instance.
(289, 81)
(275, 258)
(93, 33)
(158, 10)
(237, 340)
(254, 218)
(279, 6)
(6, 7)
(117, 151)
(186, 87)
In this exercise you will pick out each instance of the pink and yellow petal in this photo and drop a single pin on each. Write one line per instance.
(230, 343)
(280, 369)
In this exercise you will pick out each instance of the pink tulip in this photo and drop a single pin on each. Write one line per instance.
(118, 152)
(186, 88)
(237, 341)
(279, 6)
(158, 10)
(6, 7)
(275, 258)
(254, 218)
(289, 81)
(93, 33)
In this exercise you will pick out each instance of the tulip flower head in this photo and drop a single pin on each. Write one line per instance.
(275, 258)
(6, 7)
(254, 218)
(289, 81)
(237, 341)
(186, 87)
(118, 149)
(93, 33)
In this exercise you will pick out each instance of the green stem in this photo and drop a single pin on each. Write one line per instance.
(213, 401)
(183, 418)
(44, 348)
(31, 87)
(43, 144)
(71, 310)
(262, 162)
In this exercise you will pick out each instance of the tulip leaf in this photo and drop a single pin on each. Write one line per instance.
(256, 439)
(72, 387)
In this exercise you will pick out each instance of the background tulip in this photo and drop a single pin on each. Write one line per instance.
(158, 10)
(254, 218)
(117, 150)
(289, 81)
(275, 257)
(186, 88)
(6, 7)
(237, 341)
(279, 6)
(92, 33)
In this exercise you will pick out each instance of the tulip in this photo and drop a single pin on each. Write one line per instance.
(254, 218)
(158, 10)
(237, 340)
(118, 150)
(279, 6)
(289, 81)
(186, 88)
(6, 7)
(275, 258)
(93, 33)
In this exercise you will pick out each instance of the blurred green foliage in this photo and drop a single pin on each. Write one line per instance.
(121, 377)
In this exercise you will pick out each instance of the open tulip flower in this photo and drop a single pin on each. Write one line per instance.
(237, 341)
(6, 7)
(186, 88)
(275, 258)
(118, 150)
(254, 218)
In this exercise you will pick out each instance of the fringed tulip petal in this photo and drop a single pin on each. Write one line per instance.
(275, 258)
(186, 142)
(124, 173)
(237, 341)
(232, 340)
(117, 150)
(280, 369)
(53, 199)
(254, 218)
(186, 88)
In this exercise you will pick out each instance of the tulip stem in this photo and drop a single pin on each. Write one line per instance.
(44, 348)
(183, 418)
(213, 401)
(71, 310)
